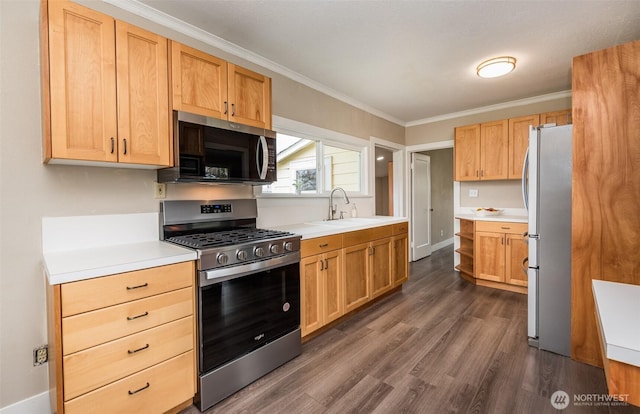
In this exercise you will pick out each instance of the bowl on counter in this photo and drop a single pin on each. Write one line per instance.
(487, 211)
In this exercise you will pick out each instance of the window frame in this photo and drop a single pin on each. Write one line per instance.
(322, 137)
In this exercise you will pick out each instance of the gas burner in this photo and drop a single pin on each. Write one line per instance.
(226, 238)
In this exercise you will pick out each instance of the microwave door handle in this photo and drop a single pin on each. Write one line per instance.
(262, 171)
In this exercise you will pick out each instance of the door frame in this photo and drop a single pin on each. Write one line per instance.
(399, 174)
(408, 194)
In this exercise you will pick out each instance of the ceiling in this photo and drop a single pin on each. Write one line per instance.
(412, 61)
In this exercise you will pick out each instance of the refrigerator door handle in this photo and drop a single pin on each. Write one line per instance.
(525, 184)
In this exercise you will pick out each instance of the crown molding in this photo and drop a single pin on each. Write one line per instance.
(173, 23)
(483, 109)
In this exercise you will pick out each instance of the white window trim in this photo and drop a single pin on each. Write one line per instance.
(325, 137)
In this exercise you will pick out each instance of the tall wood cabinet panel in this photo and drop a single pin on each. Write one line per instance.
(606, 183)
(198, 82)
(356, 270)
(519, 142)
(106, 82)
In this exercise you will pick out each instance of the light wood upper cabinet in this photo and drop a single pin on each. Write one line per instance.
(81, 75)
(519, 142)
(494, 150)
(466, 149)
(105, 89)
(198, 81)
(558, 117)
(249, 97)
(481, 151)
(206, 85)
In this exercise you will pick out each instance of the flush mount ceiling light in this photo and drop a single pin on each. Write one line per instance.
(495, 67)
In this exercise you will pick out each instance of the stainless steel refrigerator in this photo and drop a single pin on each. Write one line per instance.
(547, 197)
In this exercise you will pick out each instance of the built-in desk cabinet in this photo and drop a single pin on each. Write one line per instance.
(123, 343)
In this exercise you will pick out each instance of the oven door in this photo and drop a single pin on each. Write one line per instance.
(240, 314)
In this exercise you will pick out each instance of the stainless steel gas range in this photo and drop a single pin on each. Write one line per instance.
(248, 292)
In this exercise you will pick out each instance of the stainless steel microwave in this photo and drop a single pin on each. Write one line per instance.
(211, 150)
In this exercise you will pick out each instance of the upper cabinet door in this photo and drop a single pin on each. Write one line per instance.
(199, 82)
(494, 150)
(558, 117)
(143, 96)
(467, 153)
(249, 97)
(82, 80)
(519, 142)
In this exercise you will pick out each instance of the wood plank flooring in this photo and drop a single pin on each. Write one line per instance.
(441, 345)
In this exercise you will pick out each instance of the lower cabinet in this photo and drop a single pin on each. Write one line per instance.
(123, 343)
(321, 289)
(342, 272)
(499, 252)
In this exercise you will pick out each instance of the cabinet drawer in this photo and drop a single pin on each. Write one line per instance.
(154, 390)
(363, 236)
(501, 226)
(103, 325)
(317, 245)
(400, 228)
(100, 365)
(87, 295)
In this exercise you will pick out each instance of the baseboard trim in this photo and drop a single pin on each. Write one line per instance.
(38, 404)
(443, 243)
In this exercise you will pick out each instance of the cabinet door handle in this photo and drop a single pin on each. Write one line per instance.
(138, 286)
(502, 241)
(139, 389)
(113, 144)
(125, 146)
(326, 264)
(225, 107)
(233, 109)
(130, 318)
(321, 265)
(130, 351)
(324, 245)
(478, 173)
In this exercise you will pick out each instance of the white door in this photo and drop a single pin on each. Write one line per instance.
(420, 206)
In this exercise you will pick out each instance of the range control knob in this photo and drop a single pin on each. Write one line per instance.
(241, 255)
(222, 259)
(274, 249)
(288, 246)
(258, 251)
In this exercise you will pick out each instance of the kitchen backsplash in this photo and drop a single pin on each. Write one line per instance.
(498, 194)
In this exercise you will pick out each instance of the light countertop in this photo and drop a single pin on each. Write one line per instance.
(321, 228)
(617, 310)
(79, 264)
(502, 217)
(83, 247)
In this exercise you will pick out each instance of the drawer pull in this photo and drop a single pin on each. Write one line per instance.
(137, 287)
(137, 350)
(324, 244)
(139, 389)
(505, 227)
(130, 318)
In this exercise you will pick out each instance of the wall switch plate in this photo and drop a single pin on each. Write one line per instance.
(160, 190)
(473, 192)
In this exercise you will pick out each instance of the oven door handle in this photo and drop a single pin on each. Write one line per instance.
(210, 277)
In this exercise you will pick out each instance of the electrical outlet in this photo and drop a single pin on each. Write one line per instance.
(160, 190)
(473, 192)
(441, 232)
(40, 355)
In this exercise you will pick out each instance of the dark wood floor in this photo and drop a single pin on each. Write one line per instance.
(440, 345)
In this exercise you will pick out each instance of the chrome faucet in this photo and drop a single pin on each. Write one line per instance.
(334, 208)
